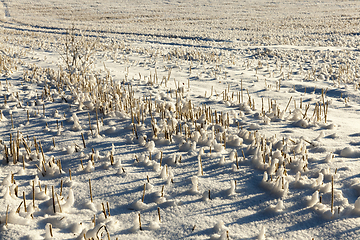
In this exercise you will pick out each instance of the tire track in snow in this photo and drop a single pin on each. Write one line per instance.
(16, 25)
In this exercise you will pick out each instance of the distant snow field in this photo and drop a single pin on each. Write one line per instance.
(179, 119)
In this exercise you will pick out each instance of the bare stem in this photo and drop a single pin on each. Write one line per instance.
(91, 197)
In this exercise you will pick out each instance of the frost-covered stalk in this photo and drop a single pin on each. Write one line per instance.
(77, 53)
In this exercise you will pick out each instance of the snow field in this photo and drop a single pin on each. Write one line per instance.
(158, 137)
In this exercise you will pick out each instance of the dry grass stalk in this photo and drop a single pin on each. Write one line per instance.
(61, 187)
(103, 210)
(90, 124)
(161, 157)
(242, 95)
(111, 158)
(82, 165)
(91, 197)
(6, 154)
(140, 222)
(53, 198)
(135, 131)
(137, 160)
(33, 193)
(23, 161)
(43, 155)
(237, 160)
(57, 198)
(51, 231)
(249, 100)
(143, 196)
(108, 208)
(158, 210)
(28, 150)
(92, 159)
(82, 136)
(332, 194)
(18, 208)
(7, 216)
(242, 151)
(24, 200)
(306, 109)
(97, 121)
(36, 146)
(288, 104)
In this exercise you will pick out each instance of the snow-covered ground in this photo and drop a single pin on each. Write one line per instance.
(179, 119)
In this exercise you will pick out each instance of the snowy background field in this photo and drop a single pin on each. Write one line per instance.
(179, 119)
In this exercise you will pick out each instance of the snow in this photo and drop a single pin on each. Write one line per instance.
(179, 119)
